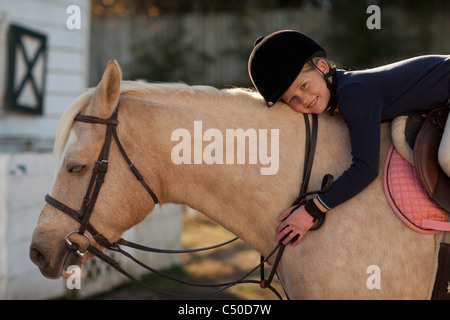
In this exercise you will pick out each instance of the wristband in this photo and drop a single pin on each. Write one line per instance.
(313, 210)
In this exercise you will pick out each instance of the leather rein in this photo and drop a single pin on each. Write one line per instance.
(97, 179)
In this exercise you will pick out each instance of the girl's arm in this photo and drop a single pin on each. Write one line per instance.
(361, 109)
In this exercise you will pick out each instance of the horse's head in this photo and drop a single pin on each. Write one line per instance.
(80, 144)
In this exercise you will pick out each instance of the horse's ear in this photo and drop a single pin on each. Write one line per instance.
(107, 92)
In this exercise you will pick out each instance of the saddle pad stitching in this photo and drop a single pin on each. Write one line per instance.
(405, 174)
(391, 197)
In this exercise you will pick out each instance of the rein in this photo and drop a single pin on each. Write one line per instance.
(97, 179)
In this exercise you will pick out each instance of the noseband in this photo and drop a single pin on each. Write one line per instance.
(96, 181)
(98, 177)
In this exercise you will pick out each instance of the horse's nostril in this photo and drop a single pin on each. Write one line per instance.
(37, 257)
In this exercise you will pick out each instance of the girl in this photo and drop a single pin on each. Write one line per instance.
(290, 66)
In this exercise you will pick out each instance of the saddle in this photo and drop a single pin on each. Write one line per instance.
(417, 188)
(426, 147)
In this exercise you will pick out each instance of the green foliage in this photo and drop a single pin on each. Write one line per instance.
(169, 59)
(406, 31)
(171, 52)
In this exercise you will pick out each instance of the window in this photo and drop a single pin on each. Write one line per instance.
(27, 69)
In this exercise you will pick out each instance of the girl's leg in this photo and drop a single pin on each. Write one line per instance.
(444, 149)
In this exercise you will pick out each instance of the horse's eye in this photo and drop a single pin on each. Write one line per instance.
(77, 168)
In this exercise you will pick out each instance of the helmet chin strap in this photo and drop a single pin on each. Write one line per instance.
(331, 85)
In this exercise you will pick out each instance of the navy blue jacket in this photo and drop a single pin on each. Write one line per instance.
(367, 98)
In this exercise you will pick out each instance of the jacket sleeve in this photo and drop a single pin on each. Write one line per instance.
(361, 108)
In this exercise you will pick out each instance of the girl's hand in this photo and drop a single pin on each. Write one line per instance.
(296, 223)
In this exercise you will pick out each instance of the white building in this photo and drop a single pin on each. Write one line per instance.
(66, 63)
(44, 50)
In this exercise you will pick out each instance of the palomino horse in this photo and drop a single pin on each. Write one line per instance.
(363, 251)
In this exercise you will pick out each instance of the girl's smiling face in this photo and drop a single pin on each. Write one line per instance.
(309, 92)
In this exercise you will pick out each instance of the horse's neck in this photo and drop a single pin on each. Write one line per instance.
(237, 196)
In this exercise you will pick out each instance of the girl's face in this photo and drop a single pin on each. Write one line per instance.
(309, 92)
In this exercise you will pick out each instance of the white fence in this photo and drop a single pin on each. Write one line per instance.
(26, 177)
(24, 180)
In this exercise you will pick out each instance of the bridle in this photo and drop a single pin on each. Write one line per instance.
(95, 183)
(97, 179)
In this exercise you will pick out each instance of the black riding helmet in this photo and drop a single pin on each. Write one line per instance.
(277, 60)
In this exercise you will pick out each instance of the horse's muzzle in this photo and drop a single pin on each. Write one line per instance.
(44, 262)
(53, 266)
